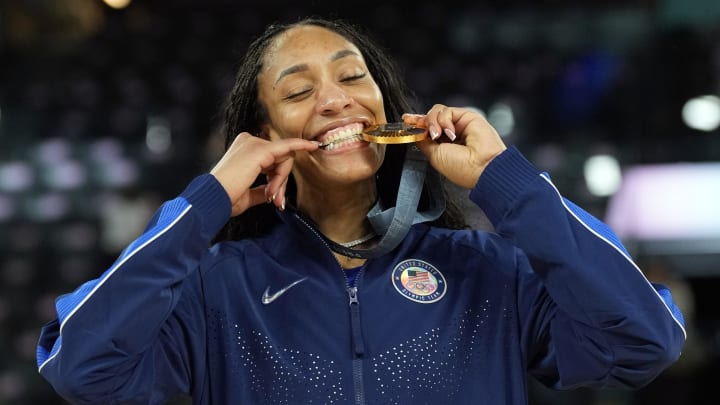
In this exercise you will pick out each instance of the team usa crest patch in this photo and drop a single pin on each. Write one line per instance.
(419, 281)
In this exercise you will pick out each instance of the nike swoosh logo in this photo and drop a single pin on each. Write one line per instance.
(268, 298)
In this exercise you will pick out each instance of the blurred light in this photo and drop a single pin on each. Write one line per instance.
(106, 149)
(77, 237)
(158, 137)
(466, 36)
(53, 150)
(118, 173)
(677, 201)
(117, 4)
(16, 176)
(65, 175)
(7, 208)
(549, 157)
(602, 175)
(500, 116)
(702, 113)
(48, 207)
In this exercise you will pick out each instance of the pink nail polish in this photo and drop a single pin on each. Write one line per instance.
(434, 134)
(450, 134)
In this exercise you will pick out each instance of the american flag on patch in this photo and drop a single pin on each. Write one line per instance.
(418, 276)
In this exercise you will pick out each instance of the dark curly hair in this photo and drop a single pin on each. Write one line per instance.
(245, 113)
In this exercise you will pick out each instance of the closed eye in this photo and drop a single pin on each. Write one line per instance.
(353, 77)
(298, 94)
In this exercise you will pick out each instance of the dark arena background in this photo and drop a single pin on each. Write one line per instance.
(109, 108)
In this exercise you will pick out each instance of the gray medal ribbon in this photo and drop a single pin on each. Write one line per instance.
(394, 223)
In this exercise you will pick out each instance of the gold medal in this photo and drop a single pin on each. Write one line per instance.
(394, 132)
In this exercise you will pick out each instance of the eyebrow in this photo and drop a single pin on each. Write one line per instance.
(303, 66)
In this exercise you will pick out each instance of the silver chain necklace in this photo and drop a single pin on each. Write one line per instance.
(358, 241)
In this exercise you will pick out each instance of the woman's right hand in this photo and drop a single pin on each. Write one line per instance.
(248, 157)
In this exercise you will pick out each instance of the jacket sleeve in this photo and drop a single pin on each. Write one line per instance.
(131, 335)
(589, 315)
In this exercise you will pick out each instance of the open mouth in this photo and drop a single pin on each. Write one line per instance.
(343, 136)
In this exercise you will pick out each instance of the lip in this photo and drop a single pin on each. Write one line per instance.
(341, 123)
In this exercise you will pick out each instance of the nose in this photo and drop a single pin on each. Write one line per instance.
(332, 99)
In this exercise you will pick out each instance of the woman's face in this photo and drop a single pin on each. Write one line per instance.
(315, 85)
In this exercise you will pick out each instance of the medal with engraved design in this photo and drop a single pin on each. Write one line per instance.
(394, 132)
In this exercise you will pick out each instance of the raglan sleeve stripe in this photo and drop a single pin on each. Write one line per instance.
(68, 304)
(605, 233)
(599, 293)
(108, 329)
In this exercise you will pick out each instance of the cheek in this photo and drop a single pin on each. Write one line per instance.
(288, 123)
(376, 98)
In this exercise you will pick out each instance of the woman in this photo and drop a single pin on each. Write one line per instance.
(277, 311)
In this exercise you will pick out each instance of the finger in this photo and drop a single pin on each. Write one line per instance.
(275, 190)
(278, 167)
(266, 191)
(445, 121)
(283, 149)
(284, 170)
(278, 180)
(452, 160)
(417, 120)
(427, 147)
(434, 126)
(280, 199)
(256, 196)
(290, 145)
(272, 187)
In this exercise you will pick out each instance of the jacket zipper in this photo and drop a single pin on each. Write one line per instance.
(358, 346)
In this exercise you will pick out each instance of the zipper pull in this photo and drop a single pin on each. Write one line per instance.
(352, 292)
(357, 340)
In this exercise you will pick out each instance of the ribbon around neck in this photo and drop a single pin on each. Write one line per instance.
(394, 223)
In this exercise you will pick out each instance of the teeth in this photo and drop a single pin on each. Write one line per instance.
(342, 136)
(341, 142)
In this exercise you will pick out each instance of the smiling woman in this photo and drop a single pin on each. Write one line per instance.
(254, 285)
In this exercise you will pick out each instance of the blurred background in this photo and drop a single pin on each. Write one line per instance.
(107, 108)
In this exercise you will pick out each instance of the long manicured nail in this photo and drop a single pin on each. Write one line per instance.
(450, 134)
(434, 133)
(282, 206)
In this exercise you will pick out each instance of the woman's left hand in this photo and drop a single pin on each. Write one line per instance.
(461, 142)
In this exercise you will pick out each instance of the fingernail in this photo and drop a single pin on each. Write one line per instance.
(450, 134)
(282, 206)
(434, 133)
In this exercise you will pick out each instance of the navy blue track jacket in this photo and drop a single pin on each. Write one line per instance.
(447, 317)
